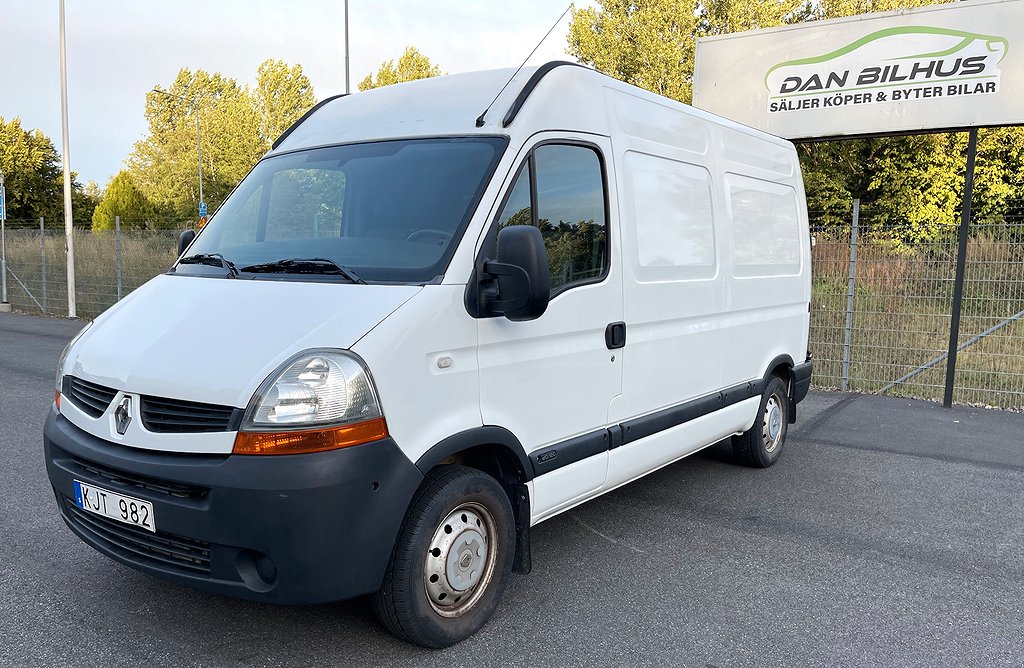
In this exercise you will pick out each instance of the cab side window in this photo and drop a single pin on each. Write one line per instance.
(560, 189)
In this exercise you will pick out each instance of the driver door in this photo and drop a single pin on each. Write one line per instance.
(550, 380)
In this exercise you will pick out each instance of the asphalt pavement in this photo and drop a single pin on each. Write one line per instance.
(889, 534)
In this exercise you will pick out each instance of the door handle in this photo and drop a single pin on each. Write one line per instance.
(615, 335)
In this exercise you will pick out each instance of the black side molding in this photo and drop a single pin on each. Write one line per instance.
(571, 451)
(555, 456)
(579, 448)
(291, 128)
(524, 94)
(648, 425)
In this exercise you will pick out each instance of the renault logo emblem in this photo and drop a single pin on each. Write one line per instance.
(123, 415)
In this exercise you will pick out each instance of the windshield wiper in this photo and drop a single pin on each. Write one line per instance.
(312, 265)
(213, 260)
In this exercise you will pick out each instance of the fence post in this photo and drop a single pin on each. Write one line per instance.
(850, 285)
(42, 257)
(4, 305)
(117, 253)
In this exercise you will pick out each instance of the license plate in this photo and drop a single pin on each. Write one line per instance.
(115, 506)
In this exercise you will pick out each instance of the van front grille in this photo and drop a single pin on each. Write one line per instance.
(90, 398)
(161, 549)
(175, 489)
(177, 416)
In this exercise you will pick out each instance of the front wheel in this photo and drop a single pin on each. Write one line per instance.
(452, 559)
(762, 444)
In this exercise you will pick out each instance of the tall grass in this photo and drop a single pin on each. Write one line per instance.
(143, 256)
(902, 314)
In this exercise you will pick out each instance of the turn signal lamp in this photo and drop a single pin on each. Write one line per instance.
(311, 440)
(318, 400)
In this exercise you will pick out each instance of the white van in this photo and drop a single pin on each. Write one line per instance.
(415, 330)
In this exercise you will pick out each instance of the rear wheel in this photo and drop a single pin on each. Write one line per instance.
(452, 559)
(761, 445)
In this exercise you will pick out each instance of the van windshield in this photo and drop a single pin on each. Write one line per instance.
(390, 211)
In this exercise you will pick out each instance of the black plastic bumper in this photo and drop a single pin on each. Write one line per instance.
(285, 529)
(802, 380)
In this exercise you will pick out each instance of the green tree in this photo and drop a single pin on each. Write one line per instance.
(281, 96)
(33, 175)
(123, 199)
(648, 43)
(833, 9)
(411, 65)
(238, 126)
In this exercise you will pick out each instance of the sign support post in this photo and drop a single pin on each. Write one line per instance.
(961, 264)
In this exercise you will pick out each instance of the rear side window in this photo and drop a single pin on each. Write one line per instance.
(674, 218)
(561, 190)
(765, 227)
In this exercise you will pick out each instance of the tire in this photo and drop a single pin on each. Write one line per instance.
(451, 561)
(762, 445)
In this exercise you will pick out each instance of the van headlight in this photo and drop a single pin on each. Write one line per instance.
(64, 355)
(318, 400)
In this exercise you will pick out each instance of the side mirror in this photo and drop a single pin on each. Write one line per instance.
(184, 239)
(521, 273)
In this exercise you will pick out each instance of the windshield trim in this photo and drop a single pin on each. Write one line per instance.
(443, 262)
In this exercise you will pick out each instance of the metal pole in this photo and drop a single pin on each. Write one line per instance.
(3, 244)
(42, 257)
(850, 284)
(68, 226)
(961, 264)
(117, 253)
(347, 89)
(199, 157)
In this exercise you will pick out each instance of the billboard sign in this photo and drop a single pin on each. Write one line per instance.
(943, 67)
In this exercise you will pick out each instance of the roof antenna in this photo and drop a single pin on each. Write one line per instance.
(480, 119)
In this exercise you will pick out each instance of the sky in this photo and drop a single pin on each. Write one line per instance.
(119, 49)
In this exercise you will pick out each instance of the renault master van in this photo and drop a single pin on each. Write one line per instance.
(427, 320)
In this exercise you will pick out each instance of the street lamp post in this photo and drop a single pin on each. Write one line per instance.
(4, 305)
(347, 91)
(69, 229)
(199, 148)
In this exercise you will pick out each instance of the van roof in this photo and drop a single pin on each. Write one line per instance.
(551, 97)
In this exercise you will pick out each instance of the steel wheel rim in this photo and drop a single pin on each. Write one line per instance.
(460, 560)
(773, 425)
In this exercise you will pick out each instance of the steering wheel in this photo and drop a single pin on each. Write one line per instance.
(442, 236)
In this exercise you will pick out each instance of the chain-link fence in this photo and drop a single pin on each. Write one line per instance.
(881, 311)
(880, 315)
(108, 265)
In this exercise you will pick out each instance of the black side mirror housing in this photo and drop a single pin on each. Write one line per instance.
(184, 239)
(521, 274)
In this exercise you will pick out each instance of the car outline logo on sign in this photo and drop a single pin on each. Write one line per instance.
(890, 65)
(123, 415)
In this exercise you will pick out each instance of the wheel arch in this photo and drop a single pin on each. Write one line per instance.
(782, 366)
(479, 444)
(497, 452)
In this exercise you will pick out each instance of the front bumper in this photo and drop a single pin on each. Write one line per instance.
(286, 529)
